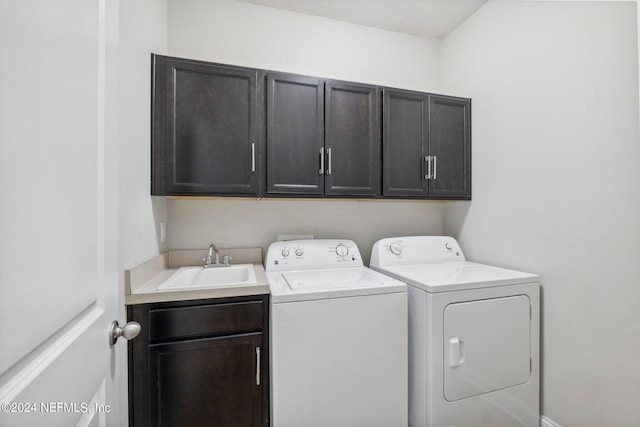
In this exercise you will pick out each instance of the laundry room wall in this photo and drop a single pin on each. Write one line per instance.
(556, 144)
(232, 32)
(143, 29)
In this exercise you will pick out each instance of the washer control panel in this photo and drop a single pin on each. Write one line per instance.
(312, 254)
(415, 250)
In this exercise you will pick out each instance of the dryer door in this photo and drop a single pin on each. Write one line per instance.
(486, 346)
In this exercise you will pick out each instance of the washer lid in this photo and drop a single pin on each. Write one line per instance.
(305, 285)
(454, 276)
(300, 281)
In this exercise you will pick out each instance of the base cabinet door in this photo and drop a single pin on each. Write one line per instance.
(200, 363)
(206, 382)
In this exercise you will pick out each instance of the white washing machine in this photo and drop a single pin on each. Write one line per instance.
(473, 335)
(338, 338)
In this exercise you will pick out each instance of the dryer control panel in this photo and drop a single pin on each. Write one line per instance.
(312, 254)
(415, 250)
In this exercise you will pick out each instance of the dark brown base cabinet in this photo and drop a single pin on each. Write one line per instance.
(224, 130)
(200, 363)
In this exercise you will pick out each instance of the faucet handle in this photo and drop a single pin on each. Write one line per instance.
(226, 259)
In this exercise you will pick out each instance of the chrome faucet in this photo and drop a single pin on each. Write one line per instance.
(216, 263)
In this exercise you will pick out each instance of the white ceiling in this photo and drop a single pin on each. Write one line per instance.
(424, 18)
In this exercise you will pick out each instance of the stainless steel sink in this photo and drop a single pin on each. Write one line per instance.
(199, 277)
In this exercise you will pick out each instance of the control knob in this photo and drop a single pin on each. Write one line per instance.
(299, 252)
(395, 248)
(342, 250)
(285, 253)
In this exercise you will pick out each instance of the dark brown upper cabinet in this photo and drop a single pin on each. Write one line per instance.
(323, 137)
(405, 143)
(295, 134)
(426, 146)
(352, 140)
(223, 130)
(206, 132)
(449, 147)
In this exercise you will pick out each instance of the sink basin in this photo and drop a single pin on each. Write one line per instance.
(216, 277)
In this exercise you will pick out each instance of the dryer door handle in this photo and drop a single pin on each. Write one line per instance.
(456, 356)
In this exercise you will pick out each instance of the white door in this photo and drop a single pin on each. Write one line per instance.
(58, 218)
(487, 346)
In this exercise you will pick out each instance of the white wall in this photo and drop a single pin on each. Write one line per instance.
(556, 144)
(232, 32)
(196, 224)
(143, 29)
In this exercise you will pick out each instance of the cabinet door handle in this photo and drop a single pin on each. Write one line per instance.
(435, 166)
(257, 365)
(328, 161)
(321, 171)
(253, 157)
(427, 160)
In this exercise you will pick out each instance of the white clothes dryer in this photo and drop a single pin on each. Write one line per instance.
(339, 338)
(473, 335)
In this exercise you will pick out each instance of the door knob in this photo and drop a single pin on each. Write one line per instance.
(128, 331)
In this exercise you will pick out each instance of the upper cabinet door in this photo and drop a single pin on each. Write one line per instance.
(405, 125)
(205, 128)
(352, 140)
(450, 147)
(295, 134)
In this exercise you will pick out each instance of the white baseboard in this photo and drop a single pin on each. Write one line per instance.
(546, 422)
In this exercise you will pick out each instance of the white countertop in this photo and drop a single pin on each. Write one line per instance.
(142, 282)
